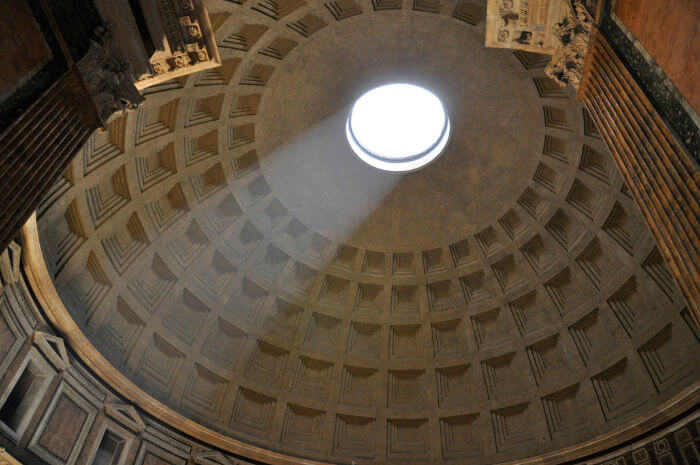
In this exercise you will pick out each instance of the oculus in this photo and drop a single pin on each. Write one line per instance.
(398, 127)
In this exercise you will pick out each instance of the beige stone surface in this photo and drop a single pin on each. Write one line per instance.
(223, 248)
(526, 25)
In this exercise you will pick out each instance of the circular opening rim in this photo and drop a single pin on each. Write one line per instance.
(401, 164)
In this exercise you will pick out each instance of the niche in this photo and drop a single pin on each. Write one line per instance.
(25, 393)
(111, 449)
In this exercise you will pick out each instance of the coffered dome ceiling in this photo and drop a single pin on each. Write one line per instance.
(224, 249)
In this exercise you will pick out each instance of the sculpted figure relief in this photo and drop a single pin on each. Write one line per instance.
(506, 6)
(107, 77)
(573, 33)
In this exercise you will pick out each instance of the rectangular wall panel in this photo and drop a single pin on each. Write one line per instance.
(62, 430)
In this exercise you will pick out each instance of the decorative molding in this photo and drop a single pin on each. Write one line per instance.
(126, 415)
(523, 24)
(54, 349)
(9, 263)
(191, 46)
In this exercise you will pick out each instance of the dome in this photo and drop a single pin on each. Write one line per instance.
(224, 248)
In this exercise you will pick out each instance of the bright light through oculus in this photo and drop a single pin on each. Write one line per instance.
(398, 127)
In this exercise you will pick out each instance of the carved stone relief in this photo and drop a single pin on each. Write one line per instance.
(108, 77)
(524, 24)
(560, 28)
(573, 33)
(190, 42)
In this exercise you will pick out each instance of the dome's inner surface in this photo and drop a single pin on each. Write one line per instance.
(224, 249)
(494, 133)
